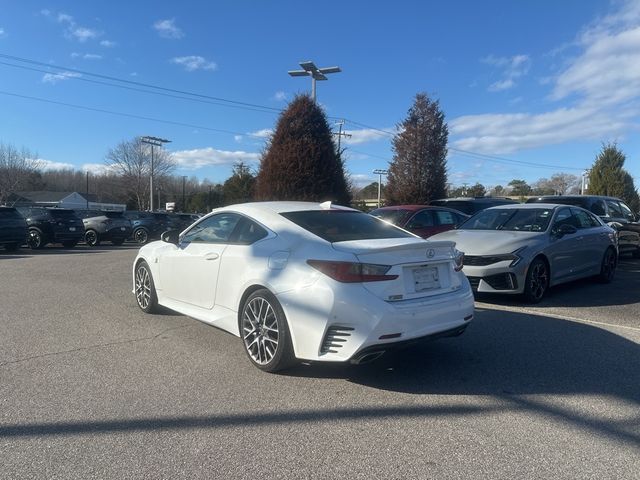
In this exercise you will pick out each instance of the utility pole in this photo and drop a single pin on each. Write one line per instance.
(184, 177)
(87, 189)
(154, 142)
(309, 69)
(583, 187)
(380, 172)
(340, 134)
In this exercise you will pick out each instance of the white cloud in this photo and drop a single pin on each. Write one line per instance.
(599, 89)
(168, 29)
(279, 96)
(2, 33)
(238, 138)
(206, 157)
(366, 135)
(44, 12)
(82, 34)
(264, 133)
(194, 62)
(108, 43)
(72, 30)
(51, 165)
(512, 68)
(54, 78)
(97, 168)
(86, 56)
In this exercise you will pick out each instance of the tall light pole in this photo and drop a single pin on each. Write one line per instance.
(309, 69)
(184, 177)
(380, 172)
(154, 142)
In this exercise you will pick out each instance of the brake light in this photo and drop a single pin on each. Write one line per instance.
(458, 260)
(353, 272)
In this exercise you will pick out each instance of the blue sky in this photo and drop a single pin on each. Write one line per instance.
(528, 88)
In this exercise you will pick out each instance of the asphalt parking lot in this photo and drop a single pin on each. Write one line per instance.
(90, 387)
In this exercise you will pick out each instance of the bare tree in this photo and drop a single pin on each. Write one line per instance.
(131, 160)
(16, 166)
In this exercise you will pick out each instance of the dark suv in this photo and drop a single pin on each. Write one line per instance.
(611, 210)
(104, 226)
(13, 229)
(471, 205)
(147, 225)
(52, 225)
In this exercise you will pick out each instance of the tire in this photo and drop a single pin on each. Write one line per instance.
(36, 239)
(117, 241)
(145, 289)
(70, 243)
(537, 281)
(141, 236)
(91, 238)
(11, 247)
(608, 266)
(265, 333)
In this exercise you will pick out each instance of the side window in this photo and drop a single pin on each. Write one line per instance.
(446, 218)
(564, 217)
(626, 212)
(248, 232)
(614, 209)
(598, 207)
(584, 219)
(421, 219)
(215, 229)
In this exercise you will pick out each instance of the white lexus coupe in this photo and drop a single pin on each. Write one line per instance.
(306, 281)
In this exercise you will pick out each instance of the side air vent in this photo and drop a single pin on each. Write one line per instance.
(334, 338)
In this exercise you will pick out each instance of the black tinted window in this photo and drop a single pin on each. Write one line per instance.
(9, 213)
(421, 219)
(626, 211)
(249, 232)
(344, 225)
(445, 217)
(584, 219)
(397, 216)
(597, 207)
(62, 213)
(614, 209)
(513, 219)
(215, 229)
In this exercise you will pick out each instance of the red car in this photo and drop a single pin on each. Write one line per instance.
(422, 220)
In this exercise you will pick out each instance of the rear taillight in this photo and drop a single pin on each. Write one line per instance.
(458, 260)
(353, 272)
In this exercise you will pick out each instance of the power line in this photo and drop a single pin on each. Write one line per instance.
(132, 82)
(129, 115)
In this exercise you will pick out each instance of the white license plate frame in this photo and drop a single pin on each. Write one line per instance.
(426, 278)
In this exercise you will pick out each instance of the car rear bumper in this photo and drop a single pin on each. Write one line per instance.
(337, 325)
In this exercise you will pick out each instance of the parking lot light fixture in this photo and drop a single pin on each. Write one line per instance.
(309, 69)
(380, 172)
(154, 142)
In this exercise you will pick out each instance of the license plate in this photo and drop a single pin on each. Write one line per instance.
(426, 278)
(72, 229)
(122, 228)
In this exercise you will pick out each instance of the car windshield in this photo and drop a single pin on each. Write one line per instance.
(397, 216)
(344, 225)
(511, 219)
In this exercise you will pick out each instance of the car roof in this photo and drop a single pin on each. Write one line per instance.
(284, 206)
(476, 199)
(415, 208)
(527, 206)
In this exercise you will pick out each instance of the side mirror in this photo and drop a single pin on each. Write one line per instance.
(565, 229)
(171, 236)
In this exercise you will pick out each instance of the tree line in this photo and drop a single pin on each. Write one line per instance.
(302, 162)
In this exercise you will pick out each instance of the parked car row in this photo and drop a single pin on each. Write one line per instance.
(38, 226)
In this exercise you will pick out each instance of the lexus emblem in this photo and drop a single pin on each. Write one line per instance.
(430, 253)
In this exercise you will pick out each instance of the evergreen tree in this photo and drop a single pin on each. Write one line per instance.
(301, 162)
(608, 176)
(418, 171)
(239, 187)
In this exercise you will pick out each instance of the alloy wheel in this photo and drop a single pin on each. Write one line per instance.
(260, 330)
(539, 280)
(141, 236)
(143, 287)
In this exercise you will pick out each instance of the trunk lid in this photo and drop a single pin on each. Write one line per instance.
(424, 268)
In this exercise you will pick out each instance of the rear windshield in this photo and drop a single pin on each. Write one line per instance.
(62, 213)
(344, 225)
(9, 213)
(512, 219)
(396, 216)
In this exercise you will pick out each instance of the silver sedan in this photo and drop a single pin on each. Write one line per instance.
(526, 248)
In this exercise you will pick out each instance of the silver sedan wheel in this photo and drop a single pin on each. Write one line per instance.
(143, 287)
(260, 331)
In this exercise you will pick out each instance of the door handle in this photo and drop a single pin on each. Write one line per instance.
(211, 256)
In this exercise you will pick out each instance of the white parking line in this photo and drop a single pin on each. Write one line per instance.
(552, 315)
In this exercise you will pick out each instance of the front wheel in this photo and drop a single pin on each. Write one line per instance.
(537, 281)
(36, 240)
(264, 331)
(608, 266)
(141, 236)
(91, 238)
(145, 289)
